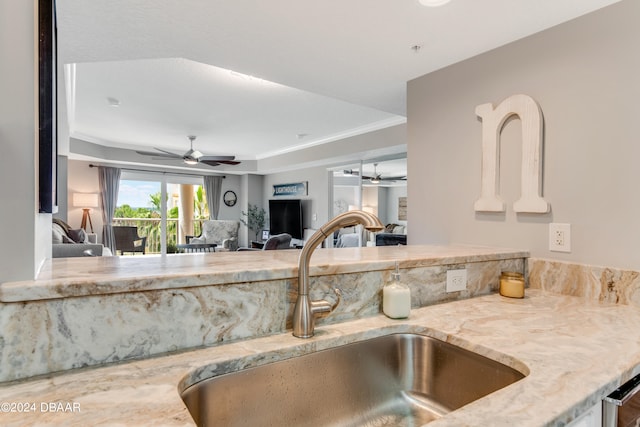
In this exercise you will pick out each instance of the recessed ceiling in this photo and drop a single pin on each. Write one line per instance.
(161, 101)
(249, 76)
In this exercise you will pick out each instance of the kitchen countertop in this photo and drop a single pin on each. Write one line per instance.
(575, 351)
(82, 276)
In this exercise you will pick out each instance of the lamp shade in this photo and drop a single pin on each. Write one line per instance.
(85, 200)
(371, 209)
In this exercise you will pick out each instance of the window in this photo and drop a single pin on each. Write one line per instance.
(140, 204)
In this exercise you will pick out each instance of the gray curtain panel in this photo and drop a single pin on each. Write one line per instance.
(109, 184)
(213, 189)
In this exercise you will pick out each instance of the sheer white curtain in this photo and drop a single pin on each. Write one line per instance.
(213, 189)
(109, 184)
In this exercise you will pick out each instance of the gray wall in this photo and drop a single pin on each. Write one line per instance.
(230, 183)
(393, 194)
(585, 76)
(26, 234)
(250, 193)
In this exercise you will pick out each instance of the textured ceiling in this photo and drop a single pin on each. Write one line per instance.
(339, 67)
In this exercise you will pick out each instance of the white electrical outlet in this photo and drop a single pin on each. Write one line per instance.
(560, 237)
(456, 280)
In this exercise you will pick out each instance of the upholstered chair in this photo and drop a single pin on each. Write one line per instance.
(278, 241)
(223, 233)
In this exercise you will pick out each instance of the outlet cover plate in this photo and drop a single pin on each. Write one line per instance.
(560, 237)
(456, 280)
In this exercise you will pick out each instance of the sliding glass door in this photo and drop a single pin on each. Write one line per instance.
(166, 209)
(186, 210)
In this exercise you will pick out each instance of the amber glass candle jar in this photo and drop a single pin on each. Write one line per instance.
(512, 284)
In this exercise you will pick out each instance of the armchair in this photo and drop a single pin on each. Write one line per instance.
(277, 241)
(223, 233)
(127, 239)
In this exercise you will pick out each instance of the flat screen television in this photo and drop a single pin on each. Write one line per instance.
(285, 216)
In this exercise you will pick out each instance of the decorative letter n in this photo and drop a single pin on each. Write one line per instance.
(493, 120)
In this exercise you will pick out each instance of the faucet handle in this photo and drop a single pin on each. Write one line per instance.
(323, 306)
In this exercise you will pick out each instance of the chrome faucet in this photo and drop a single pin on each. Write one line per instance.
(305, 310)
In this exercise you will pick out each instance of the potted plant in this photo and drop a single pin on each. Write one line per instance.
(254, 219)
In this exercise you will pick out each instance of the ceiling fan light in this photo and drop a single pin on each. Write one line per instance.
(433, 3)
(374, 180)
(191, 161)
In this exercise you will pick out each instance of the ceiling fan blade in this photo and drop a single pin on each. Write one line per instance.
(230, 162)
(216, 158)
(394, 178)
(152, 153)
(168, 153)
(161, 157)
(219, 162)
(210, 162)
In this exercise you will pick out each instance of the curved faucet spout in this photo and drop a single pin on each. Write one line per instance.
(305, 309)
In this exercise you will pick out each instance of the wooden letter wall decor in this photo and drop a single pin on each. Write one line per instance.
(493, 119)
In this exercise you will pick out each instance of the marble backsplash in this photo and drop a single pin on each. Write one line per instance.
(362, 292)
(51, 335)
(597, 283)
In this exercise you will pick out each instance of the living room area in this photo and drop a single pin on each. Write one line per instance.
(186, 208)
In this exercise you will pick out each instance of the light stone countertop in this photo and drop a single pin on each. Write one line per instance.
(81, 276)
(574, 351)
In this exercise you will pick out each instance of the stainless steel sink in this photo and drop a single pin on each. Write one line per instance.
(393, 380)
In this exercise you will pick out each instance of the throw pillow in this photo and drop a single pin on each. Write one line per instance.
(66, 239)
(78, 236)
(398, 229)
(197, 240)
(56, 234)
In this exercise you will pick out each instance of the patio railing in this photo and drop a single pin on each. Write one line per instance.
(150, 227)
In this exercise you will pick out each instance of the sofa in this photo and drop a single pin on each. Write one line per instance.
(347, 237)
(223, 233)
(392, 235)
(68, 242)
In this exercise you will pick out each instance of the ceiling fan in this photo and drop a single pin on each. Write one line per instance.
(191, 157)
(376, 178)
